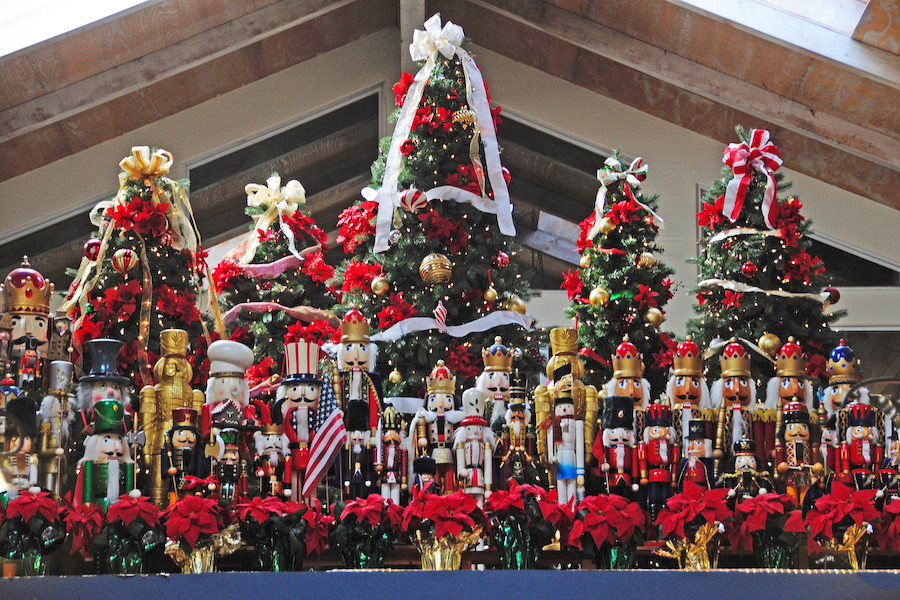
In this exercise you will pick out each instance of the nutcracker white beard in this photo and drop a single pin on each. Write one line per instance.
(620, 457)
(390, 454)
(516, 428)
(866, 452)
(664, 450)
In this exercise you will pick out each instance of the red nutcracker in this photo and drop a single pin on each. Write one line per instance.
(733, 397)
(687, 389)
(861, 452)
(658, 454)
(628, 378)
(391, 455)
(790, 381)
(697, 465)
(616, 455)
(431, 430)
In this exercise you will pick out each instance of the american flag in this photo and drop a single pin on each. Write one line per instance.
(330, 434)
(440, 315)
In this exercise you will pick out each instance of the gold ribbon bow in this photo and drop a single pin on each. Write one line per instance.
(280, 203)
(142, 164)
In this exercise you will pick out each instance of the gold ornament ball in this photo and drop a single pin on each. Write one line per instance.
(435, 268)
(606, 225)
(769, 343)
(599, 296)
(380, 285)
(490, 294)
(654, 316)
(517, 304)
(647, 259)
(395, 377)
(585, 261)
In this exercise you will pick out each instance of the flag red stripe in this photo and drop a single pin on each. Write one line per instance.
(326, 444)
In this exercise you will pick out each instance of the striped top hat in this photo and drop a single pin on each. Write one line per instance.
(301, 362)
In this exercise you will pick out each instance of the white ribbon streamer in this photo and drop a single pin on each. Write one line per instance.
(727, 233)
(718, 345)
(426, 45)
(743, 287)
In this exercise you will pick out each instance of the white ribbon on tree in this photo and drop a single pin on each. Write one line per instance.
(743, 287)
(612, 173)
(279, 203)
(426, 45)
(718, 345)
(727, 233)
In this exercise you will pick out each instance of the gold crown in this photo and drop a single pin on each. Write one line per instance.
(390, 419)
(688, 361)
(843, 365)
(272, 429)
(441, 380)
(563, 340)
(735, 361)
(26, 291)
(791, 361)
(173, 342)
(497, 357)
(627, 361)
(354, 328)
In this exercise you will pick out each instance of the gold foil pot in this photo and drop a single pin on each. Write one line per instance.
(202, 559)
(445, 553)
(699, 554)
(851, 552)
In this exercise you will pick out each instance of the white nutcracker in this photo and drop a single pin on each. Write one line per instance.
(474, 442)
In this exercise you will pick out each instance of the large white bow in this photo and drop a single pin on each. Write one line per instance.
(446, 39)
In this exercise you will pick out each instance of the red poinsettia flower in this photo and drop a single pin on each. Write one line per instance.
(800, 265)
(355, 224)
(190, 517)
(318, 525)
(226, 274)
(414, 513)
(402, 87)
(315, 266)
(461, 360)
(572, 283)
(304, 226)
(711, 213)
(319, 331)
(887, 532)
(503, 501)
(622, 212)
(693, 502)
(841, 503)
(646, 296)
(374, 510)
(398, 310)
(128, 508)
(558, 515)
(453, 513)
(667, 284)
(259, 509)
(83, 522)
(28, 504)
(754, 514)
(359, 276)
(732, 299)
(583, 243)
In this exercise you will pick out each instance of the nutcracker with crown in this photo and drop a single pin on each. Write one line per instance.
(355, 379)
(843, 371)
(733, 398)
(174, 373)
(272, 466)
(474, 443)
(358, 456)
(26, 315)
(745, 473)
(790, 382)
(658, 455)
(391, 458)
(57, 415)
(687, 389)
(431, 430)
(798, 462)
(494, 380)
(516, 444)
(697, 466)
(628, 377)
(107, 469)
(616, 453)
(181, 453)
(227, 392)
(860, 431)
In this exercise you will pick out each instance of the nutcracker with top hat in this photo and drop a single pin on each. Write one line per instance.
(697, 465)
(229, 467)
(391, 458)
(843, 371)
(745, 473)
(431, 429)
(173, 373)
(687, 389)
(616, 454)
(57, 416)
(790, 381)
(358, 457)
(60, 346)
(474, 442)
(26, 314)
(861, 449)
(272, 467)
(733, 398)
(494, 380)
(181, 456)
(107, 469)
(227, 392)
(658, 454)
(797, 458)
(355, 378)
(516, 445)
(103, 382)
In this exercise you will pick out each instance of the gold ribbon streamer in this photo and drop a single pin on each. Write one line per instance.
(145, 370)
(202, 558)
(852, 538)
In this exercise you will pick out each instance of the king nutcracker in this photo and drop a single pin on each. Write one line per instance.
(733, 398)
(687, 389)
(432, 427)
(355, 378)
(790, 384)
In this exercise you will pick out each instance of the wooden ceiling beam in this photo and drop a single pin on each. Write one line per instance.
(880, 25)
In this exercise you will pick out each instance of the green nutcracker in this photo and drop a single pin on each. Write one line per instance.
(107, 469)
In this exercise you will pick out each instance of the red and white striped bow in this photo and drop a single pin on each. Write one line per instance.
(759, 154)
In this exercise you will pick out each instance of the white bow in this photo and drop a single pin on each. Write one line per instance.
(435, 38)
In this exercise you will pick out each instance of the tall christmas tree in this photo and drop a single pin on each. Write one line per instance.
(621, 287)
(143, 270)
(757, 279)
(433, 263)
(275, 281)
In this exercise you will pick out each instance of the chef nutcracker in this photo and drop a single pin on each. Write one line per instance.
(26, 300)
(391, 455)
(733, 398)
(431, 429)
(272, 467)
(843, 371)
(790, 381)
(697, 465)
(797, 459)
(57, 415)
(227, 392)
(516, 445)
(173, 373)
(861, 449)
(658, 455)
(107, 470)
(687, 389)
(229, 469)
(181, 455)
(616, 454)
(355, 378)
(474, 442)
(745, 473)
(358, 457)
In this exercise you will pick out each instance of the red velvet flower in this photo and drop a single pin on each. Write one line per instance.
(315, 266)
(319, 331)
(190, 517)
(398, 310)
(374, 510)
(359, 276)
(572, 283)
(754, 514)
(800, 265)
(227, 274)
(646, 296)
(28, 504)
(83, 522)
(453, 513)
(355, 224)
(304, 227)
(129, 508)
(887, 533)
(732, 299)
(623, 212)
(318, 525)
(260, 509)
(606, 519)
(693, 502)
(583, 242)
(841, 503)
(711, 213)
(402, 87)
(503, 501)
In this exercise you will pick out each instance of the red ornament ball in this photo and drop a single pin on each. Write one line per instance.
(748, 269)
(834, 295)
(124, 260)
(501, 260)
(92, 249)
(413, 200)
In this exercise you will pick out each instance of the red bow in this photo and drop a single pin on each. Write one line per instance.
(743, 158)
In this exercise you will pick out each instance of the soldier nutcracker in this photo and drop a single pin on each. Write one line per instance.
(432, 428)
(272, 467)
(616, 456)
(474, 442)
(227, 392)
(60, 346)
(697, 464)
(355, 378)
(494, 380)
(843, 371)
(745, 473)
(790, 381)
(829, 446)
(107, 470)
(358, 456)
(733, 398)
(173, 373)
(861, 450)
(26, 298)
(687, 389)
(229, 468)
(181, 456)
(516, 445)
(797, 459)
(391, 455)
(57, 416)
(658, 454)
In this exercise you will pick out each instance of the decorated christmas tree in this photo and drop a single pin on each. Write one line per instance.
(143, 270)
(275, 281)
(621, 287)
(433, 263)
(757, 279)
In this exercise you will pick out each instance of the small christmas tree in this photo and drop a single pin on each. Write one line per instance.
(621, 287)
(276, 279)
(433, 263)
(143, 270)
(757, 279)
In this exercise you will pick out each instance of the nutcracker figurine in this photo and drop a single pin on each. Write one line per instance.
(359, 458)
(745, 473)
(889, 473)
(474, 442)
(697, 464)
(272, 467)
(57, 416)
(494, 380)
(60, 347)
(733, 398)
(861, 449)
(20, 461)
(628, 378)
(107, 470)
(229, 469)
(173, 373)
(687, 389)
(797, 459)
(26, 300)
(355, 378)
(181, 453)
(843, 371)
(829, 446)
(227, 392)
(102, 383)
(391, 455)
(790, 381)
(616, 456)
(658, 454)
(516, 445)
(432, 428)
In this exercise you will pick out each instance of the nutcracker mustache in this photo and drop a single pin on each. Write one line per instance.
(117, 454)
